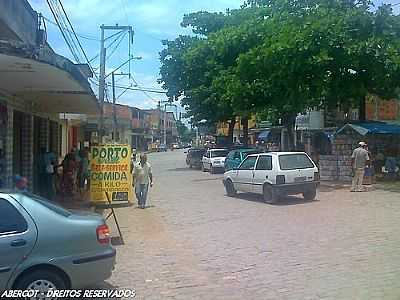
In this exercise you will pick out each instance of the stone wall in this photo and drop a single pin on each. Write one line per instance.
(338, 165)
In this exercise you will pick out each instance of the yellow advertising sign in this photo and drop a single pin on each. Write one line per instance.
(110, 172)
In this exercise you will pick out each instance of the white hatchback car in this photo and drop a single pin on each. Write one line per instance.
(214, 159)
(274, 175)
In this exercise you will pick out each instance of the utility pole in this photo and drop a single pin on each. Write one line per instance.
(166, 103)
(102, 84)
(102, 78)
(165, 125)
(114, 108)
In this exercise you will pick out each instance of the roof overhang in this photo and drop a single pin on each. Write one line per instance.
(46, 87)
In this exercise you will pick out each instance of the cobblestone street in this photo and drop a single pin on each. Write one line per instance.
(194, 242)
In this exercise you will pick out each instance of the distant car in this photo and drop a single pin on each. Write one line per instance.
(214, 160)
(235, 157)
(43, 246)
(194, 157)
(274, 175)
(162, 148)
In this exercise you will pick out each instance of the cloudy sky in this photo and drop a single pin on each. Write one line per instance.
(153, 21)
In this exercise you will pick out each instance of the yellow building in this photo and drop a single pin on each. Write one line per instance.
(223, 128)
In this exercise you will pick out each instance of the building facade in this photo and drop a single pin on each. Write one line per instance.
(36, 86)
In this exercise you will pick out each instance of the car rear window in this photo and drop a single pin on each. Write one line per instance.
(219, 153)
(295, 161)
(197, 153)
(52, 206)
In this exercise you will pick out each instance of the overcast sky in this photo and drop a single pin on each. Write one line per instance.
(153, 21)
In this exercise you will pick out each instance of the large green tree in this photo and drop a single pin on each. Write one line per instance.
(283, 57)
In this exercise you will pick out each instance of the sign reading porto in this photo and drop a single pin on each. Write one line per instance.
(110, 173)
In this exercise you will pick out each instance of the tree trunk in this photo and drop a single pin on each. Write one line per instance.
(289, 122)
(362, 113)
(245, 122)
(231, 128)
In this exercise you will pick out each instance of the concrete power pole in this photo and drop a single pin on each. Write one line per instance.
(114, 108)
(102, 84)
(165, 125)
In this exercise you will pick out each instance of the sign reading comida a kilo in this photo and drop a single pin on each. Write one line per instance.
(110, 173)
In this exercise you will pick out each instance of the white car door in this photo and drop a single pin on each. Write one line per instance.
(206, 160)
(244, 179)
(17, 238)
(263, 173)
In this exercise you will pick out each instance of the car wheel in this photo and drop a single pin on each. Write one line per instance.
(42, 280)
(310, 194)
(269, 194)
(230, 189)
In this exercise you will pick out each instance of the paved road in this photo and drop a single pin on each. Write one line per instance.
(196, 243)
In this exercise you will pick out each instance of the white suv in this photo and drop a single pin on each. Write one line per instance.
(273, 175)
(214, 159)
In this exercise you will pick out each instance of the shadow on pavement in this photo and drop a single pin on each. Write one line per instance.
(393, 186)
(208, 179)
(284, 201)
(182, 169)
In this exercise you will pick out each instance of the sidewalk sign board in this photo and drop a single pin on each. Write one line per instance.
(110, 173)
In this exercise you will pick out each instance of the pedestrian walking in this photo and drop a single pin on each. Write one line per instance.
(47, 165)
(21, 183)
(83, 171)
(143, 177)
(359, 160)
(68, 178)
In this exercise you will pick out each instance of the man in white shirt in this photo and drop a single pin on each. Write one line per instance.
(359, 160)
(143, 177)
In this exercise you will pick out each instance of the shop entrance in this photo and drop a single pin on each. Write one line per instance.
(17, 143)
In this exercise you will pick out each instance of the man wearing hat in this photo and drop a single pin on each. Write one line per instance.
(359, 159)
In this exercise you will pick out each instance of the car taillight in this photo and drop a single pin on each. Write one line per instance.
(280, 179)
(103, 234)
(316, 176)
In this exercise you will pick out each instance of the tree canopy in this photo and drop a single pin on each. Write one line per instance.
(283, 57)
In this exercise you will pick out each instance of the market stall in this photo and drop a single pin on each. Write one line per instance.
(383, 141)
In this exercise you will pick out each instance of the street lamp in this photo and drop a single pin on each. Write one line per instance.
(197, 131)
(123, 64)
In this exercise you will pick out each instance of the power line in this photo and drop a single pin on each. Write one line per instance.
(81, 35)
(63, 32)
(121, 38)
(144, 92)
(79, 43)
(109, 45)
(141, 89)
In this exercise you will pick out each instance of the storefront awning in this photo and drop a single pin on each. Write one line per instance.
(46, 87)
(263, 136)
(371, 128)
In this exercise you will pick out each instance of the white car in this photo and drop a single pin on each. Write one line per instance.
(213, 160)
(274, 175)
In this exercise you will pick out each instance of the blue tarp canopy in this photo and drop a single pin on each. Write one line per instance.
(263, 136)
(371, 128)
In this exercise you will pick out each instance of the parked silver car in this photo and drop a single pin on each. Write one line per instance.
(43, 246)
